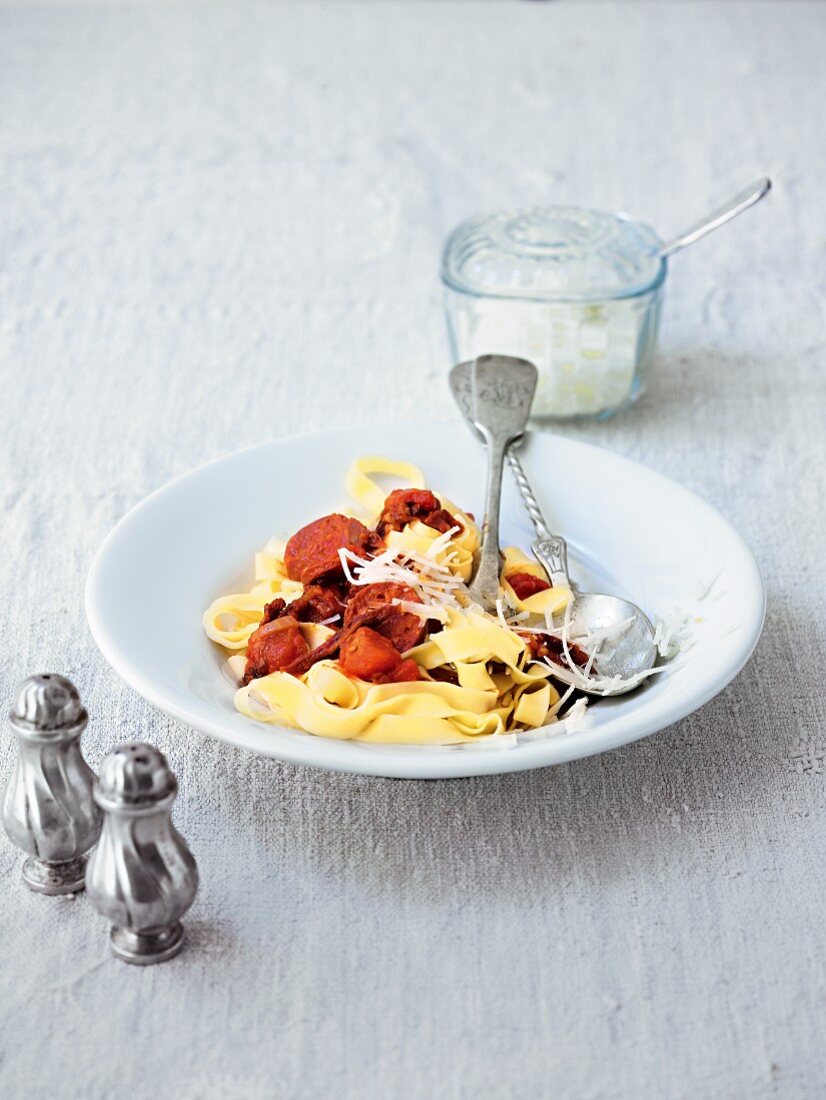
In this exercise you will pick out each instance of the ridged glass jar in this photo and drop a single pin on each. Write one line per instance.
(578, 292)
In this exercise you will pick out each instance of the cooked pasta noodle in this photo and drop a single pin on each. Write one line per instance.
(366, 594)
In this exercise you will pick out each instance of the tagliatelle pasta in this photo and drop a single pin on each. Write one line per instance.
(366, 630)
(330, 703)
(416, 537)
(360, 480)
(551, 600)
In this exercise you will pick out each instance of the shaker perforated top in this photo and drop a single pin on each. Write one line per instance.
(135, 774)
(47, 703)
(553, 253)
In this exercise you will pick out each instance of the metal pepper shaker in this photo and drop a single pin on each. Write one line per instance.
(142, 876)
(48, 809)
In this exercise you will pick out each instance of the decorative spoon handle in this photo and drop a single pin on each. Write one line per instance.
(528, 499)
(550, 550)
(552, 554)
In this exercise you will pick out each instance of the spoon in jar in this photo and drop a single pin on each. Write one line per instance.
(633, 651)
(736, 205)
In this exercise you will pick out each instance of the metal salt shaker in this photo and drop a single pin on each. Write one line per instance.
(48, 809)
(142, 876)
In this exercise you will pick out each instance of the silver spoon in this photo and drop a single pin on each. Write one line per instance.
(736, 205)
(633, 651)
(502, 392)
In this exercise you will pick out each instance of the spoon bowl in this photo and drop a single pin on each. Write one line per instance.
(630, 652)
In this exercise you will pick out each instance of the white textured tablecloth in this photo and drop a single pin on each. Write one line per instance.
(222, 223)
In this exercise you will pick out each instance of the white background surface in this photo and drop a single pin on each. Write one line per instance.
(221, 223)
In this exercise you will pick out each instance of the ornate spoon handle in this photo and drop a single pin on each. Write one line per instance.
(552, 553)
(551, 550)
(529, 500)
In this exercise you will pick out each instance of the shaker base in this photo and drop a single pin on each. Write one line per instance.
(54, 878)
(145, 948)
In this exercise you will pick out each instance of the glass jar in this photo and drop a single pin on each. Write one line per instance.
(578, 292)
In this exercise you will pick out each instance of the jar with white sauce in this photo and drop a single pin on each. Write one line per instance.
(578, 292)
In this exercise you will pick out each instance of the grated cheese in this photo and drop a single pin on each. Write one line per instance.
(432, 582)
(575, 718)
(671, 633)
(439, 544)
(424, 611)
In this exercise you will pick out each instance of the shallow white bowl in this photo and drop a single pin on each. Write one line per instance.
(631, 532)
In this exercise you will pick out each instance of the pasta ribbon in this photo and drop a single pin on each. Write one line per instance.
(417, 538)
(552, 600)
(456, 553)
(366, 492)
(332, 704)
(230, 620)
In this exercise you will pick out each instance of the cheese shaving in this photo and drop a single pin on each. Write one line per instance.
(424, 611)
(430, 580)
(671, 633)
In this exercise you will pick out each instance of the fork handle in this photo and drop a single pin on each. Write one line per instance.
(485, 586)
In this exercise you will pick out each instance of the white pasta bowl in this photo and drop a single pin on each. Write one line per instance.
(631, 531)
